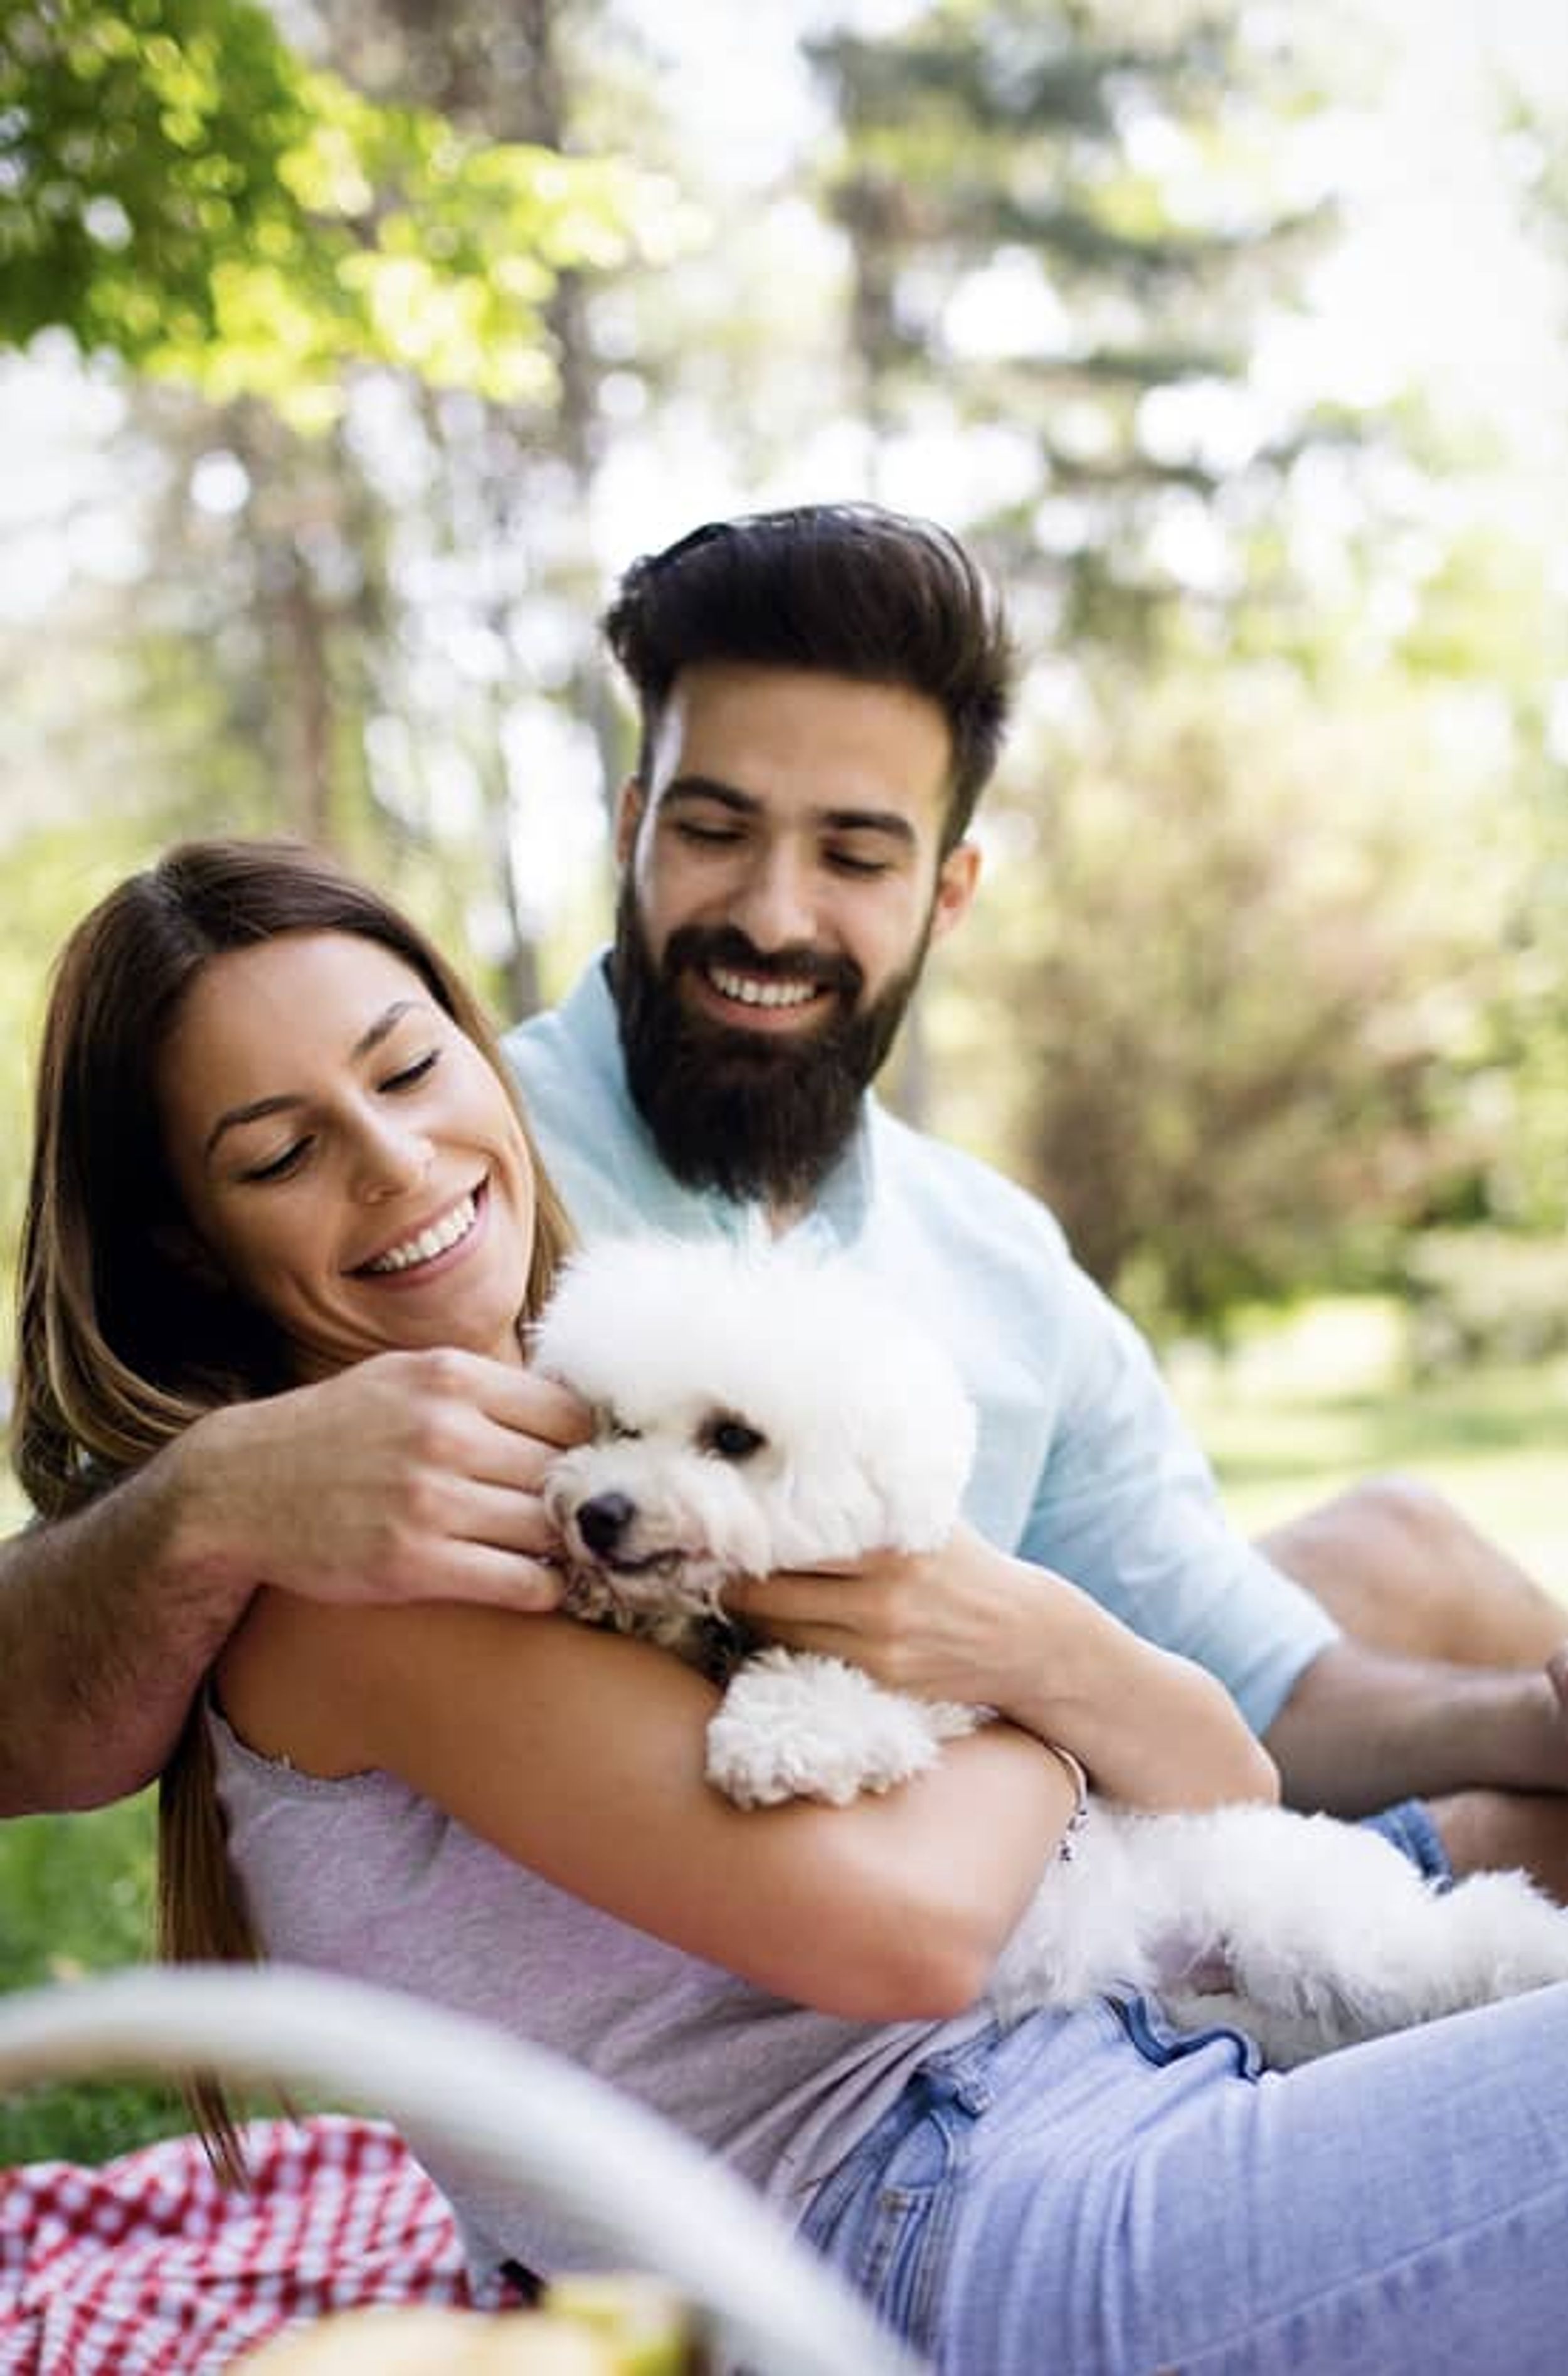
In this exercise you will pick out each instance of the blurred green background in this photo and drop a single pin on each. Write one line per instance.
(349, 351)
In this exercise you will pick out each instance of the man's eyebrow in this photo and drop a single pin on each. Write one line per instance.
(260, 1108)
(728, 796)
(708, 787)
(888, 821)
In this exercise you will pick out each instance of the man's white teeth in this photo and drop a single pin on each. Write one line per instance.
(752, 993)
(429, 1242)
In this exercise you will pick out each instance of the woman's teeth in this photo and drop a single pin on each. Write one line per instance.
(752, 993)
(432, 1241)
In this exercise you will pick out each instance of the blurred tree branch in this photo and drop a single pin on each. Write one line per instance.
(178, 185)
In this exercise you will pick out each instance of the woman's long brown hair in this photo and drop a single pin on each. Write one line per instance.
(122, 1342)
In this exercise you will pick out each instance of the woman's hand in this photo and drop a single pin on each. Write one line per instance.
(963, 1623)
(969, 1623)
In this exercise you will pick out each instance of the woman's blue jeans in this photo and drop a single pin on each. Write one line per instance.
(1091, 2194)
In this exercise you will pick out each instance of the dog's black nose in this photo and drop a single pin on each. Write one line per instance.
(603, 1521)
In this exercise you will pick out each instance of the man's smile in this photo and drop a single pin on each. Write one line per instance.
(759, 991)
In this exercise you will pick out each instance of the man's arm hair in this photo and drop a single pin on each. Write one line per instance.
(406, 1477)
(1364, 1726)
(108, 1621)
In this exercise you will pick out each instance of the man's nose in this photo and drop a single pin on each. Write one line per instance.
(774, 906)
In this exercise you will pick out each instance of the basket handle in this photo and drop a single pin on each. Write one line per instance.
(519, 2114)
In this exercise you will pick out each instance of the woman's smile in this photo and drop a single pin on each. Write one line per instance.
(425, 1253)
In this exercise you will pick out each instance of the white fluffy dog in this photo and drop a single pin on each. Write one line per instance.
(758, 1410)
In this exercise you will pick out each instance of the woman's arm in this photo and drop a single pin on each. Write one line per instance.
(580, 1753)
(970, 1622)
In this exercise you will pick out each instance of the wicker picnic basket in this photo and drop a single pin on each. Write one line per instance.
(720, 2284)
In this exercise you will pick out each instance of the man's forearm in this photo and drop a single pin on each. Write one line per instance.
(108, 1621)
(1361, 1729)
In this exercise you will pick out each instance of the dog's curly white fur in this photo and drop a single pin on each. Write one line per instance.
(759, 1409)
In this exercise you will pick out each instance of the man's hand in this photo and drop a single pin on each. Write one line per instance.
(409, 1477)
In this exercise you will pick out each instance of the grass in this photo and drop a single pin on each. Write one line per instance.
(1294, 1413)
(76, 1896)
(1290, 1416)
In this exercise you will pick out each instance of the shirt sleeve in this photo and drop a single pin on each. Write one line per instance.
(1127, 1506)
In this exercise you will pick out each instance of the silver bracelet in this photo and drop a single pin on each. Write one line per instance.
(1066, 1847)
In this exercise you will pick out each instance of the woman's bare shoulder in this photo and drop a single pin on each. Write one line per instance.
(316, 1681)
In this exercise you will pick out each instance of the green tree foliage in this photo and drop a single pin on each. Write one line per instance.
(507, 511)
(179, 187)
(1273, 1007)
(375, 709)
(1065, 218)
(1526, 632)
(1235, 987)
(332, 633)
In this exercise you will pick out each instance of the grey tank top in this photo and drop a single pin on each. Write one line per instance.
(364, 1877)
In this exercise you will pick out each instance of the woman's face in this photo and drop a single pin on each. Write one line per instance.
(347, 1158)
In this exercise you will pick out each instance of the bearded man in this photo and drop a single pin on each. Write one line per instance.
(823, 696)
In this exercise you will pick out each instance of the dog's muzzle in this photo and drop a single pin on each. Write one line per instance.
(602, 1522)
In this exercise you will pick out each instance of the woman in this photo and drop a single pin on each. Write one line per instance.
(275, 1140)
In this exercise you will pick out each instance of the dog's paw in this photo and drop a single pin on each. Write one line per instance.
(795, 1725)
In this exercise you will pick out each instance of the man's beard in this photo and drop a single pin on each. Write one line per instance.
(753, 1114)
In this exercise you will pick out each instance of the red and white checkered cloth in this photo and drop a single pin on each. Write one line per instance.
(148, 2266)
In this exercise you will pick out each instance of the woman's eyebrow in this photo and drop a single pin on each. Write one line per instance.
(260, 1108)
(378, 1031)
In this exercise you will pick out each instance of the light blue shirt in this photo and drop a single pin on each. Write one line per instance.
(1082, 1464)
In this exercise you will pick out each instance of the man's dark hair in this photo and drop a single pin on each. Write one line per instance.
(847, 588)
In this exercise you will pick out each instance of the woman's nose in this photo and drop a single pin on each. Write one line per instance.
(392, 1157)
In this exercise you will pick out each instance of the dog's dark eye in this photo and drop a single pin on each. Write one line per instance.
(731, 1439)
(612, 1430)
